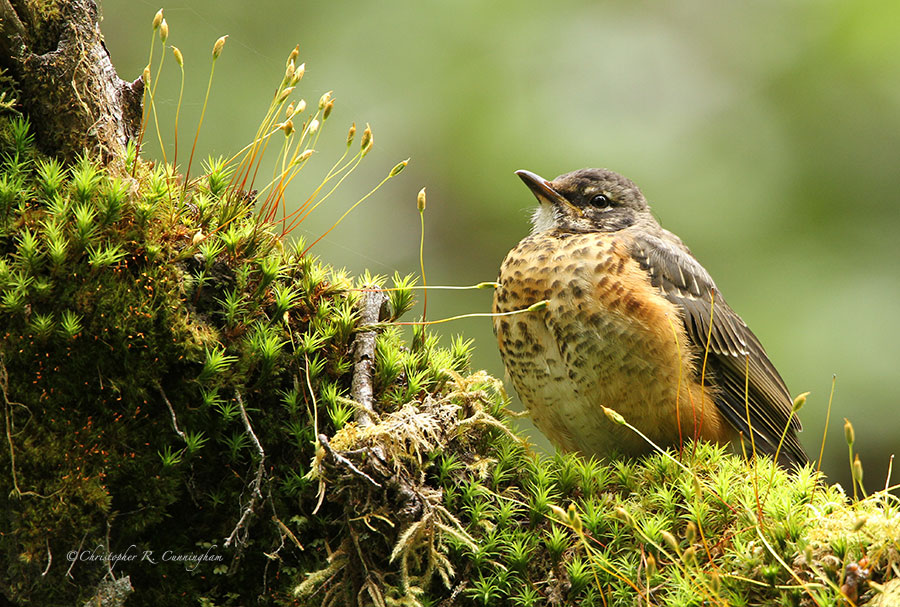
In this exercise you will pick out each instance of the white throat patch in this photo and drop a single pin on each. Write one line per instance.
(544, 218)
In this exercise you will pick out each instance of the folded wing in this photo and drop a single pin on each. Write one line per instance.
(752, 397)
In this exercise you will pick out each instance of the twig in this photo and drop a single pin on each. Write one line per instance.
(256, 494)
(172, 411)
(109, 563)
(451, 600)
(286, 532)
(364, 356)
(49, 559)
(4, 390)
(4, 384)
(77, 553)
(323, 440)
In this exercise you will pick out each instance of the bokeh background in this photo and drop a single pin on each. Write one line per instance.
(766, 134)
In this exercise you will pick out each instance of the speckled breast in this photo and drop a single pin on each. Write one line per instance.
(606, 337)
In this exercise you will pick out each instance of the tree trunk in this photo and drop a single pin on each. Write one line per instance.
(55, 54)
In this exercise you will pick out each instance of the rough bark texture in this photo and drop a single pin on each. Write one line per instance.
(76, 101)
(364, 355)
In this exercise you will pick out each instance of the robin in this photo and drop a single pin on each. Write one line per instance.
(634, 323)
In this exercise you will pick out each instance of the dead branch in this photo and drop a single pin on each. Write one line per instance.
(256, 483)
(172, 411)
(361, 390)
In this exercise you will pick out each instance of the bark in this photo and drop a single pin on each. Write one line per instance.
(54, 52)
(364, 355)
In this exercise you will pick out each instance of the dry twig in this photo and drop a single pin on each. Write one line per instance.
(256, 493)
(373, 300)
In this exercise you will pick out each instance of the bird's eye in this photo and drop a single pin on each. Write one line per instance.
(600, 201)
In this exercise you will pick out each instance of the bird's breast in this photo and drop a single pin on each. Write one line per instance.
(606, 337)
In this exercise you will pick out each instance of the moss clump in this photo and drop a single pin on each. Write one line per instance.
(703, 527)
(165, 367)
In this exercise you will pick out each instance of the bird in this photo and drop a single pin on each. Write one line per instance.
(601, 307)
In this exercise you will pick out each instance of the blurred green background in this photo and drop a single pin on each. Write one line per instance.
(766, 134)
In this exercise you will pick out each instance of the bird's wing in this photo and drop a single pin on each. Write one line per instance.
(758, 389)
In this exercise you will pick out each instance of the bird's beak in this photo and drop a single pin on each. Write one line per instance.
(543, 191)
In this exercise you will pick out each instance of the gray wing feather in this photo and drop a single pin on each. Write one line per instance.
(683, 281)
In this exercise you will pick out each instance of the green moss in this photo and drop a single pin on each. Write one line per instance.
(111, 316)
(136, 326)
(702, 527)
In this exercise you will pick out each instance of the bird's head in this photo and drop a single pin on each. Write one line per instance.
(588, 200)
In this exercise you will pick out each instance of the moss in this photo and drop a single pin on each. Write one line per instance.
(137, 330)
(110, 318)
(46, 23)
(696, 528)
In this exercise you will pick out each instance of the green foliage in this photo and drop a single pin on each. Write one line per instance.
(232, 304)
(131, 154)
(285, 297)
(57, 245)
(234, 444)
(112, 200)
(110, 345)
(210, 250)
(168, 457)
(105, 255)
(42, 324)
(231, 238)
(269, 268)
(14, 300)
(85, 225)
(640, 529)
(580, 574)
(23, 137)
(215, 364)
(194, 441)
(70, 324)
(556, 542)
(51, 175)
(265, 346)
(10, 192)
(218, 174)
(29, 249)
(401, 298)
(86, 178)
